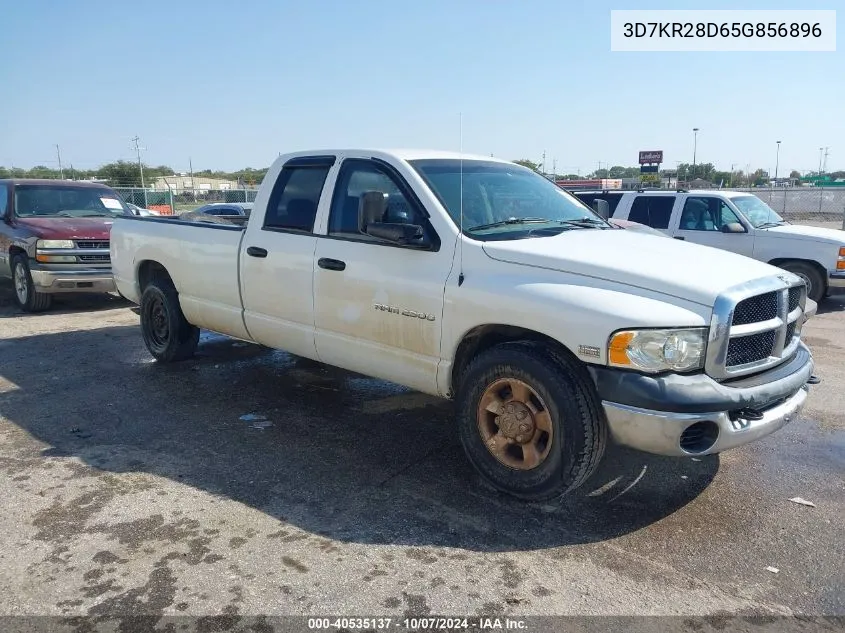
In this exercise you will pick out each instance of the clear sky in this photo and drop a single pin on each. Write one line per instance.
(232, 84)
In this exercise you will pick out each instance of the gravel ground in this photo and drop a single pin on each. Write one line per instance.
(130, 488)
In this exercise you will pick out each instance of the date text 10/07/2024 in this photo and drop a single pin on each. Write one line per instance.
(418, 624)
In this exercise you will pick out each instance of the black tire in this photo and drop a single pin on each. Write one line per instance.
(579, 431)
(167, 334)
(816, 286)
(27, 298)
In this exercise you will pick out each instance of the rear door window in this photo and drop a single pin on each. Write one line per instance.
(653, 211)
(293, 202)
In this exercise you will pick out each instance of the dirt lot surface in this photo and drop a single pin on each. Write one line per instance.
(133, 488)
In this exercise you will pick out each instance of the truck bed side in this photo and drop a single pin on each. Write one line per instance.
(201, 259)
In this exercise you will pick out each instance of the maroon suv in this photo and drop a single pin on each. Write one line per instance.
(54, 238)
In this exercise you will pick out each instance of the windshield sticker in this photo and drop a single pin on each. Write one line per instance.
(112, 203)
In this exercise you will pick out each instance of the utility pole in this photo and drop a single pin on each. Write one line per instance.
(544, 163)
(731, 184)
(554, 169)
(140, 167)
(694, 148)
(824, 167)
(777, 162)
(59, 156)
(821, 149)
(191, 168)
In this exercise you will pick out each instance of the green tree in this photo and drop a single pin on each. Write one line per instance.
(795, 174)
(528, 163)
(127, 174)
(759, 177)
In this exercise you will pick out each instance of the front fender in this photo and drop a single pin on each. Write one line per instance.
(579, 312)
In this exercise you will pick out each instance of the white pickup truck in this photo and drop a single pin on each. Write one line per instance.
(741, 223)
(477, 279)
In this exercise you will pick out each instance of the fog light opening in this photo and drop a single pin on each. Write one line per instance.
(699, 437)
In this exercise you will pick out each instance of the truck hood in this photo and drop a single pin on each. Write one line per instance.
(810, 233)
(688, 271)
(68, 228)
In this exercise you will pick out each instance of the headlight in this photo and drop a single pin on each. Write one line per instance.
(54, 244)
(654, 351)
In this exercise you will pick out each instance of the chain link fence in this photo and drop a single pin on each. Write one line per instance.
(171, 203)
(820, 206)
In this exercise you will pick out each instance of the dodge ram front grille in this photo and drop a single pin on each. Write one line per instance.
(755, 309)
(755, 326)
(795, 297)
(750, 349)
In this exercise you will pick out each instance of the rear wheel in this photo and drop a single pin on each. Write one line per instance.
(26, 296)
(167, 334)
(530, 421)
(816, 287)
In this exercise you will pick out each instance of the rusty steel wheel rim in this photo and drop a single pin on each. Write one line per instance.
(514, 424)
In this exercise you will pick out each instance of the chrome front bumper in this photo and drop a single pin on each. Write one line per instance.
(56, 281)
(654, 413)
(660, 432)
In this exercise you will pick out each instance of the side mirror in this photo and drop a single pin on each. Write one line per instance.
(409, 234)
(602, 208)
(733, 227)
(371, 208)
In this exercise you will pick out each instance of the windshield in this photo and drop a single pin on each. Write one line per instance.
(757, 212)
(67, 202)
(504, 201)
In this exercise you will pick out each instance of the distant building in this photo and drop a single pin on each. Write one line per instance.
(593, 183)
(185, 182)
(697, 183)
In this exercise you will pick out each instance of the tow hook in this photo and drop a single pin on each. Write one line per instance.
(813, 380)
(748, 414)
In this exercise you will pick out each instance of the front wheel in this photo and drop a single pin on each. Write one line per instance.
(26, 296)
(814, 280)
(529, 421)
(167, 334)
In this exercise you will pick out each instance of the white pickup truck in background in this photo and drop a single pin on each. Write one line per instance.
(740, 223)
(552, 329)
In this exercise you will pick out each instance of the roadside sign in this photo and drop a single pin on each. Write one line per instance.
(649, 169)
(651, 156)
(649, 177)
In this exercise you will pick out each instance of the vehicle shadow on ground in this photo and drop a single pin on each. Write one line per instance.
(835, 303)
(342, 455)
(62, 304)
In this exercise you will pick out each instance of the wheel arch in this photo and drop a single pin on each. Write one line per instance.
(484, 337)
(150, 269)
(780, 261)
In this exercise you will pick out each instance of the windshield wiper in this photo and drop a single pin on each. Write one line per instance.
(493, 225)
(766, 225)
(586, 223)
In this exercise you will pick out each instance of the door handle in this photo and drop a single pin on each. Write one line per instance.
(255, 251)
(331, 264)
(678, 237)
